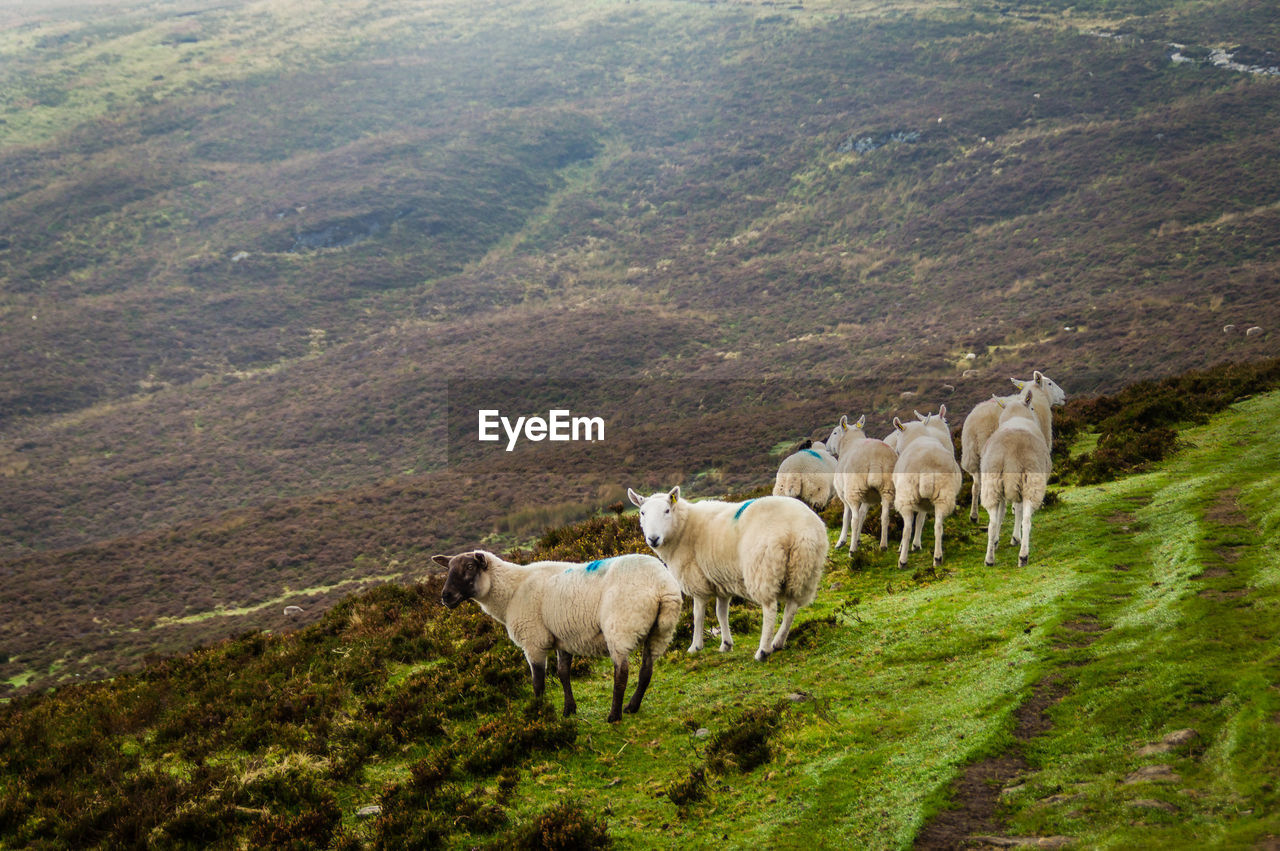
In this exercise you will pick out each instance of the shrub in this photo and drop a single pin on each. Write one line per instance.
(688, 790)
(745, 743)
(562, 827)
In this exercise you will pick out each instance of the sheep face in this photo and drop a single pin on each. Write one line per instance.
(1057, 396)
(468, 577)
(657, 515)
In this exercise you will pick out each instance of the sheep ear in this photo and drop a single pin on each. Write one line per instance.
(897, 423)
(674, 494)
(942, 412)
(844, 423)
(862, 421)
(1018, 382)
(1000, 402)
(1026, 400)
(443, 561)
(482, 558)
(1038, 377)
(636, 499)
(921, 417)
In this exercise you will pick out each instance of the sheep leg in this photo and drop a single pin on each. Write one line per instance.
(884, 525)
(722, 615)
(995, 516)
(699, 615)
(1017, 523)
(1024, 554)
(770, 611)
(857, 527)
(563, 661)
(642, 684)
(977, 491)
(908, 518)
(619, 689)
(788, 615)
(539, 670)
(938, 520)
(920, 519)
(844, 528)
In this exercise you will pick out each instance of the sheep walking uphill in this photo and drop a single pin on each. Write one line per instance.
(985, 418)
(806, 475)
(1015, 470)
(926, 478)
(764, 550)
(607, 607)
(864, 477)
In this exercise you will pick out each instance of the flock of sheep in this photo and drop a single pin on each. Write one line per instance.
(767, 550)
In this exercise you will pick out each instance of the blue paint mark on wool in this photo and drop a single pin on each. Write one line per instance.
(811, 452)
(742, 508)
(598, 564)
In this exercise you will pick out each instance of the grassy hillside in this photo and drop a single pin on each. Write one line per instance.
(1048, 696)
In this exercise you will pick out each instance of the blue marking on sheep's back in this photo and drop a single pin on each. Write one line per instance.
(742, 508)
(598, 564)
(811, 452)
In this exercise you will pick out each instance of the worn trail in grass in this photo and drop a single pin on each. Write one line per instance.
(894, 683)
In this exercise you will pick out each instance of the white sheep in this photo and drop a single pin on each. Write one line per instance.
(1254, 331)
(1015, 469)
(926, 478)
(864, 477)
(985, 417)
(764, 550)
(605, 607)
(806, 474)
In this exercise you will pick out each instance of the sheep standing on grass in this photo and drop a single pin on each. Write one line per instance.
(985, 418)
(1015, 470)
(926, 478)
(864, 477)
(606, 607)
(806, 475)
(764, 550)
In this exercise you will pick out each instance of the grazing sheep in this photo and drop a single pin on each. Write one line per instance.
(764, 550)
(864, 477)
(985, 417)
(1254, 331)
(606, 607)
(292, 611)
(1227, 329)
(1015, 470)
(806, 474)
(925, 478)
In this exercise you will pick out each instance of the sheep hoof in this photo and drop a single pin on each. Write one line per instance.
(694, 648)
(937, 562)
(570, 709)
(762, 656)
(902, 565)
(726, 646)
(614, 718)
(990, 562)
(1022, 561)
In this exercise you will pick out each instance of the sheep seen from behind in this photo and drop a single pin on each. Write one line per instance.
(1015, 470)
(864, 477)
(806, 474)
(984, 419)
(926, 478)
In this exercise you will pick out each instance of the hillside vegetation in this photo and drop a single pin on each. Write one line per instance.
(1057, 698)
